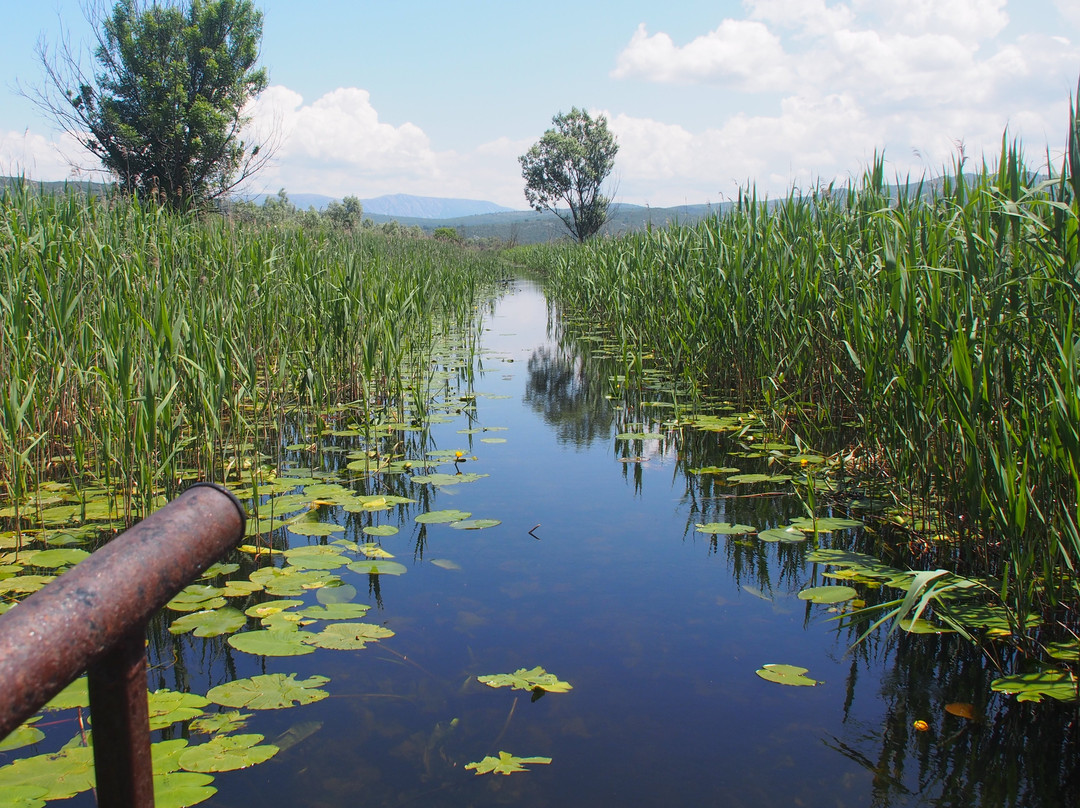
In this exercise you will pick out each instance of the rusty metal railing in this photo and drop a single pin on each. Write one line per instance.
(94, 617)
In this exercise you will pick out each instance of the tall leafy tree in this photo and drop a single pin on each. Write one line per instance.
(164, 107)
(568, 165)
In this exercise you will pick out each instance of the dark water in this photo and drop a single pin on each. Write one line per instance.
(658, 628)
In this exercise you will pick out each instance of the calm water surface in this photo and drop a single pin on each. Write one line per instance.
(658, 628)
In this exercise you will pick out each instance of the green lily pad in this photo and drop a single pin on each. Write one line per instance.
(505, 763)
(378, 566)
(273, 691)
(786, 675)
(165, 755)
(209, 623)
(277, 643)
(828, 594)
(219, 723)
(825, 525)
(475, 524)
(62, 774)
(1057, 684)
(195, 598)
(724, 528)
(291, 581)
(23, 735)
(166, 707)
(440, 517)
(715, 470)
(1065, 651)
(311, 526)
(447, 479)
(747, 479)
(348, 636)
(77, 694)
(335, 593)
(639, 436)
(181, 789)
(270, 607)
(52, 559)
(336, 611)
(227, 753)
(380, 530)
(784, 534)
(522, 679)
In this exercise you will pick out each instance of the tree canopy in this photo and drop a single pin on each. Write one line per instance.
(163, 110)
(569, 165)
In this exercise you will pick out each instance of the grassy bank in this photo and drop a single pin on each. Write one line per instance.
(937, 330)
(140, 347)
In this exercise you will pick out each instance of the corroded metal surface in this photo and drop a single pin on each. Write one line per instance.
(50, 638)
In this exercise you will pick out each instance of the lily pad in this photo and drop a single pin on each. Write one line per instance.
(475, 524)
(522, 679)
(227, 753)
(220, 723)
(724, 528)
(784, 534)
(348, 636)
(24, 735)
(181, 789)
(51, 559)
(77, 694)
(445, 563)
(447, 479)
(825, 525)
(336, 611)
(380, 530)
(786, 675)
(270, 607)
(166, 707)
(277, 643)
(505, 763)
(828, 594)
(441, 517)
(371, 550)
(1057, 684)
(62, 774)
(195, 598)
(273, 691)
(210, 622)
(378, 566)
(335, 593)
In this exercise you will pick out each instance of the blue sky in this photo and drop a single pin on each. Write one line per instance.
(439, 98)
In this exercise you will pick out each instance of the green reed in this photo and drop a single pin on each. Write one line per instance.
(937, 322)
(142, 347)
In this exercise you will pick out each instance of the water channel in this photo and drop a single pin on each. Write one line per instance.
(597, 573)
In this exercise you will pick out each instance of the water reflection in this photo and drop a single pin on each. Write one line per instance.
(569, 396)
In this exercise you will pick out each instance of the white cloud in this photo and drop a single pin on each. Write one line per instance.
(742, 52)
(337, 146)
(38, 157)
(966, 20)
(809, 17)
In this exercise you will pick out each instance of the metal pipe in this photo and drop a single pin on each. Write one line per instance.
(50, 638)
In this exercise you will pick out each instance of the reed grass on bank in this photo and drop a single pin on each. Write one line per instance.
(138, 345)
(941, 322)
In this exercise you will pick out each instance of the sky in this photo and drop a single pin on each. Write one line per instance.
(440, 98)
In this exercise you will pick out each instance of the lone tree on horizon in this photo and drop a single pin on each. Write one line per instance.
(569, 164)
(163, 109)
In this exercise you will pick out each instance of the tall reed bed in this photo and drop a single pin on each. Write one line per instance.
(139, 345)
(940, 321)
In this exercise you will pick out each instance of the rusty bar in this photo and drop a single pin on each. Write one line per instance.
(121, 724)
(50, 638)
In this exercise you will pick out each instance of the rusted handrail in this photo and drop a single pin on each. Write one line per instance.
(94, 618)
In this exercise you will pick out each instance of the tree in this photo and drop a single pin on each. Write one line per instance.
(569, 164)
(163, 110)
(346, 214)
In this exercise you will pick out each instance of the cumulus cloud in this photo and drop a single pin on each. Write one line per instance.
(744, 52)
(914, 78)
(38, 157)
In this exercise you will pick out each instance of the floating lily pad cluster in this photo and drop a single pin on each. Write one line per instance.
(183, 770)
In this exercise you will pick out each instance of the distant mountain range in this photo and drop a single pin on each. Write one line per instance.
(398, 205)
